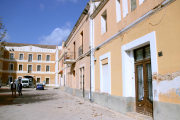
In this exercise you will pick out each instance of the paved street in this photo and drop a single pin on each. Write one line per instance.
(52, 104)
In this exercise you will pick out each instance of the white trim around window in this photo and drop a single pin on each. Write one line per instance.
(49, 80)
(37, 78)
(37, 57)
(31, 68)
(18, 67)
(37, 68)
(23, 56)
(45, 68)
(108, 56)
(9, 67)
(46, 57)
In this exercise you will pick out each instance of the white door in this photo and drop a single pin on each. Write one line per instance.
(106, 80)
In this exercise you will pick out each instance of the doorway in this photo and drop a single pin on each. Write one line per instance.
(143, 81)
(82, 76)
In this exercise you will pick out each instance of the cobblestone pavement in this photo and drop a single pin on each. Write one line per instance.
(52, 104)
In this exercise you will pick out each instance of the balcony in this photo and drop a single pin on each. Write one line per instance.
(69, 58)
(80, 50)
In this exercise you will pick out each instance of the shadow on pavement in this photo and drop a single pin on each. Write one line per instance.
(28, 98)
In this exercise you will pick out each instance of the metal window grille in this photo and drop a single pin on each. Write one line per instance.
(133, 5)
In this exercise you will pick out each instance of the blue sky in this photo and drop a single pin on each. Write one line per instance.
(40, 21)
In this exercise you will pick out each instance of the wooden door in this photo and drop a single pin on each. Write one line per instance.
(143, 74)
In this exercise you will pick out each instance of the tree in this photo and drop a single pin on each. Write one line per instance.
(3, 32)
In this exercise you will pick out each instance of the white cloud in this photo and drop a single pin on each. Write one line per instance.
(41, 6)
(75, 1)
(57, 36)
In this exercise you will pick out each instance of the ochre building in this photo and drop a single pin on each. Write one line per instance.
(37, 62)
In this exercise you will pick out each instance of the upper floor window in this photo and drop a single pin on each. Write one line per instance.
(39, 57)
(47, 57)
(38, 67)
(20, 56)
(30, 57)
(104, 22)
(125, 7)
(47, 68)
(133, 5)
(11, 56)
(118, 10)
(141, 1)
(11, 66)
(20, 67)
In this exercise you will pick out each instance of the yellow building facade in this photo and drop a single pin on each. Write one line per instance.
(39, 63)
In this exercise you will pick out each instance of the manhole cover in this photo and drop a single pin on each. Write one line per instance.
(60, 107)
(8, 111)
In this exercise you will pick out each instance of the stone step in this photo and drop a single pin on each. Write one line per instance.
(139, 116)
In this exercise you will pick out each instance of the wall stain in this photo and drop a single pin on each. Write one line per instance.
(168, 76)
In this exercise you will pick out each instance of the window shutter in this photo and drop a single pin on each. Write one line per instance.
(133, 5)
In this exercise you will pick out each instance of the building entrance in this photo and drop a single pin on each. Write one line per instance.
(143, 80)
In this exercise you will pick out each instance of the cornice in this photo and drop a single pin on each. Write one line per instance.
(98, 9)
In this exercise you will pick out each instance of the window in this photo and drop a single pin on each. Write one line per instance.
(38, 80)
(47, 68)
(47, 57)
(39, 57)
(10, 79)
(11, 56)
(141, 1)
(125, 7)
(20, 67)
(30, 57)
(29, 68)
(11, 66)
(118, 10)
(47, 80)
(104, 22)
(133, 5)
(1, 66)
(20, 56)
(38, 67)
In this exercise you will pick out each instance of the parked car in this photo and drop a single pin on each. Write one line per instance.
(39, 86)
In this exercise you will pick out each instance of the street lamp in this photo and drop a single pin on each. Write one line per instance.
(11, 58)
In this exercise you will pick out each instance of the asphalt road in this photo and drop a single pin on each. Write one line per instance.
(50, 104)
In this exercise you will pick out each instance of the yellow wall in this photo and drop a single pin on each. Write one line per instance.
(167, 39)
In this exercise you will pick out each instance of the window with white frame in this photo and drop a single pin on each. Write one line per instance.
(141, 1)
(47, 68)
(39, 57)
(118, 10)
(20, 56)
(125, 7)
(133, 5)
(47, 57)
(20, 67)
(11, 66)
(38, 67)
(29, 68)
(30, 57)
(104, 22)
(47, 80)
(11, 56)
(38, 80)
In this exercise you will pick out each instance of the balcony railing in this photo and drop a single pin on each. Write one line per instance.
(80, 50)
(69, 57)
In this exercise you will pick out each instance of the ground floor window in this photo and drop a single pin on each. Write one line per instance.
(38, 80)
(47, 80)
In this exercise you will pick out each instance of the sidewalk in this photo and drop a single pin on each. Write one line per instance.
(6, 96)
